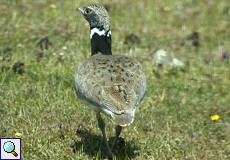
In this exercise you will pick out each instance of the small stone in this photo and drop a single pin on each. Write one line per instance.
(19, 67)
(161, 58)
(132, 39)
(177, 63)
(194, 38)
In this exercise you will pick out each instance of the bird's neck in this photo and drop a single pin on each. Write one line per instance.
(100, 41)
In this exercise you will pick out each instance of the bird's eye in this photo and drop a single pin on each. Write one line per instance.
(88, 10)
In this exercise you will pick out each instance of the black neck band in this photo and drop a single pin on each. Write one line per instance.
(101, 42)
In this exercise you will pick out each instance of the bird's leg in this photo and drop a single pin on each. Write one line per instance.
(118, 130)
(101, 125)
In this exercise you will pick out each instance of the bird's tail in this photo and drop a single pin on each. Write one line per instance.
(124, 119)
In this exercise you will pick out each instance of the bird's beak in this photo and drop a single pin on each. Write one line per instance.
(80, 10)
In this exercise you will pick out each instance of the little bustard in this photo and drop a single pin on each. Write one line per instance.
(111, 84)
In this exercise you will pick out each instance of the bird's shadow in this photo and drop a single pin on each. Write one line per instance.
(93, 146)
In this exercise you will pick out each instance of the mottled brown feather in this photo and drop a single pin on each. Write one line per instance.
(111, 83)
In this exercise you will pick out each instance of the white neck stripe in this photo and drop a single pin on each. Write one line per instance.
(100, 33)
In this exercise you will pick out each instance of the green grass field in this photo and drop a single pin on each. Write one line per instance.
(37, 99)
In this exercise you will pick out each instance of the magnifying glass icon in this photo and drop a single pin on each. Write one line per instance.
(9, 147)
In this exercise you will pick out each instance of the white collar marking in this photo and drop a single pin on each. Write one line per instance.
(100, 33)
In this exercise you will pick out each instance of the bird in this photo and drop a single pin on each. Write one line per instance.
(108, 83)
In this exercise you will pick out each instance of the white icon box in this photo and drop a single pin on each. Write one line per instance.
(10, 148)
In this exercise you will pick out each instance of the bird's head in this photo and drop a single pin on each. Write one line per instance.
(96, 15)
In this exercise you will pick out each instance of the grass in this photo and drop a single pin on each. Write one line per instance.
(37, 100)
